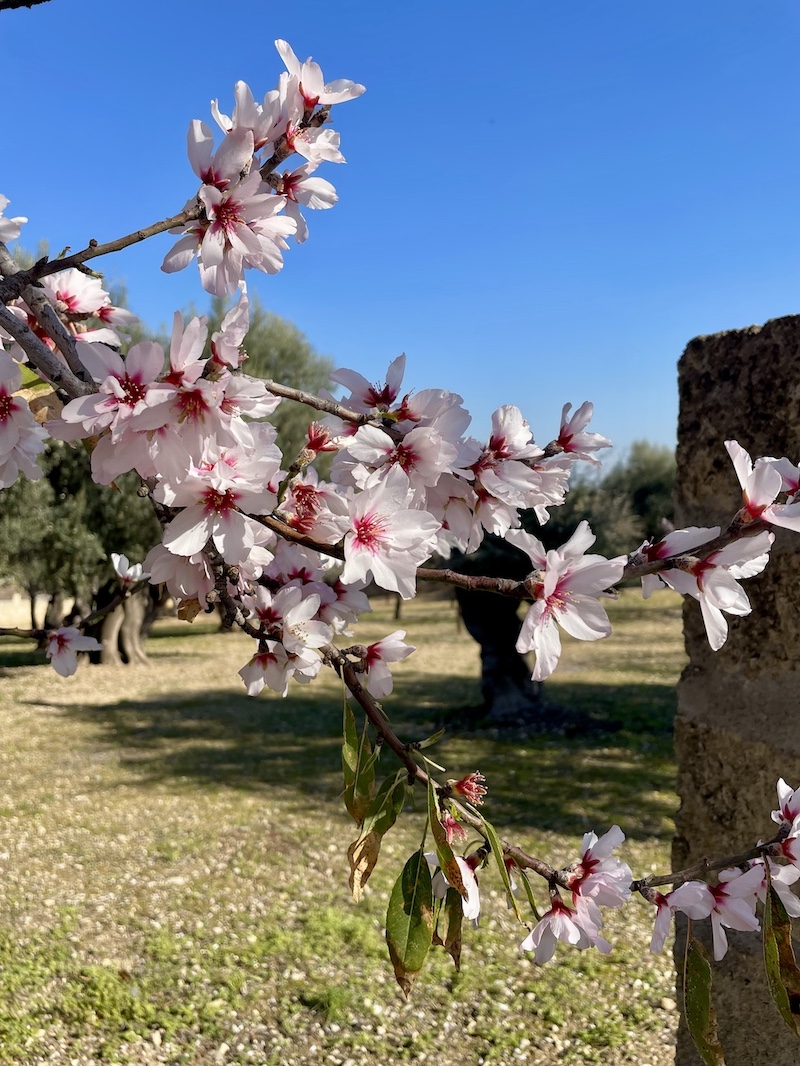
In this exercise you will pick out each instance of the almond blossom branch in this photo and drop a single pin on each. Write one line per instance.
(638, 566)
(46, 316)
(12, 5)
(707, 866)
(371, 709)
(330, 407)
(283, 150)
(42, 358)
(83, 623)
(11, 287)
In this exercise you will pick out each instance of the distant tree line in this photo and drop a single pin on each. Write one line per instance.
(630, 502)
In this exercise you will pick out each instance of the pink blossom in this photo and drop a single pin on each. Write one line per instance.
(566, 585)
(80, 296)
(9, 227)
(348, 603)
(127, 389)
(454, 830)
(21, 438)
(471, 906)
(386, 538)
(472, 787)
(315, 508)
(790, 846)
(265, 121)
(692, 898)
(578, 927)
(213, 505)
(377, 399)
(300, 632)
(313, 88)
(598, 874)
(62, 649)
(782, 878)
(761, 483)
(390, 649)
(422, 454)
(241, 227)
(300, 189)
(574, 441)
(502, 469)
(714, 582)
(269, 667)
(734, 905)
(679, 542)
(226, 343)
(128, 574)
(187, 578)
(788, 803)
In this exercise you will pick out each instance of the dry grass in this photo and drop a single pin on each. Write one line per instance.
(174, 870)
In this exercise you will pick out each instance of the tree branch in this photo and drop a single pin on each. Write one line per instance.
(11, 5)
(11, 287)
(41, 356)
(320, 403)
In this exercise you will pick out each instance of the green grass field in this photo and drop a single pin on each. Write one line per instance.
(174, 872)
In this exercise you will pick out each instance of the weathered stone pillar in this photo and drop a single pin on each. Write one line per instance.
(738, 725)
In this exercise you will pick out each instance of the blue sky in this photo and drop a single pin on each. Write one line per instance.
(543, 202)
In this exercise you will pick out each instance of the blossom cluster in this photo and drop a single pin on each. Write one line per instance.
(598, 879)
(404, 484)
(712, 576)
(82, 305)
(407, 481)
(248, 210)
(21, 438)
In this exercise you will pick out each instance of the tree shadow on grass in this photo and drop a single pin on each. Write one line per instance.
(565, 783)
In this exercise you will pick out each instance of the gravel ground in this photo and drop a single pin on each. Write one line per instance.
(174, 891)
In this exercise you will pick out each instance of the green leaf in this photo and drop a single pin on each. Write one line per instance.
(701, 1017)
(379, 818)
(31, 380)
(409, 921)
(430, 741)
(349, 746)
(358, 765)
(387, 804)
(450, 918)
(497, 851)
(444, 852)
(783, 975)
(529, 893)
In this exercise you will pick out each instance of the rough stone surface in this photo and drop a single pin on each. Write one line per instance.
(738, 726)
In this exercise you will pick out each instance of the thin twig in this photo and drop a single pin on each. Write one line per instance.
(11, 287)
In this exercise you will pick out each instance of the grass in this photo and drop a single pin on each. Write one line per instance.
(174, 866)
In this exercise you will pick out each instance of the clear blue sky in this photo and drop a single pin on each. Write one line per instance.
(543, 202)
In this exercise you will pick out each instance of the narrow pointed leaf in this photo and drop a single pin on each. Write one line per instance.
(497, 851)
(448, 927)
(701, 1017)
(358, 766)
(349, 746)
(379, 818)
(444, 852)
(783, 976)
(429, 741)
(529, 893)
(409, 921)
(362, 856)
(386, 805)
